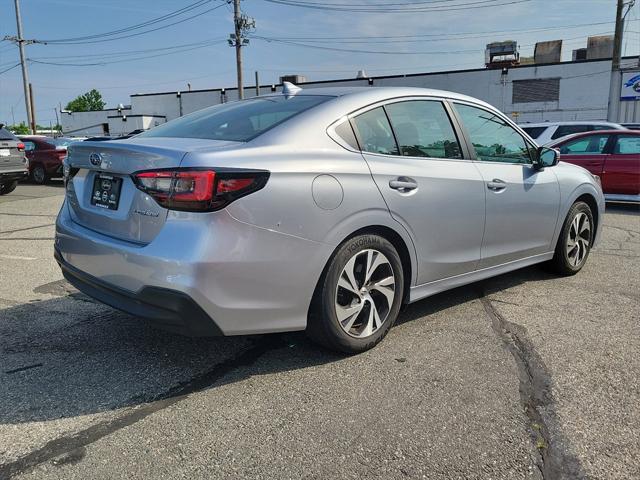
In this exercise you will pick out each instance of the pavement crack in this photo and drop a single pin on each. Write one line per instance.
(66, 447)
(27, 228)
(553, 461)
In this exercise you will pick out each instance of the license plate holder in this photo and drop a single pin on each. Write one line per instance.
(106, 191)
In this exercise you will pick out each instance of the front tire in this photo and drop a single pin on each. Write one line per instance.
(39, 175)
(359, 296)
(575, 240)
(8, 187)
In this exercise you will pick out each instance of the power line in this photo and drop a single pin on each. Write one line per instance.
(393, 9)
(10, 68)
(153, 21)
(111, 39)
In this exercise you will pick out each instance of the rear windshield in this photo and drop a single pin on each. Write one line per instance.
(7, 135)
(534, 132)
(237, 121)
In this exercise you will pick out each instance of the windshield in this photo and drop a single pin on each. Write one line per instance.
(237, 121)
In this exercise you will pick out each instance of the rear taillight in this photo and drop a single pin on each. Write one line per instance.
(199, 190)
(20, 147)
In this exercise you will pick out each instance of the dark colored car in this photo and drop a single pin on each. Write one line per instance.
(613, 155)
(45, 156)
(13, 164)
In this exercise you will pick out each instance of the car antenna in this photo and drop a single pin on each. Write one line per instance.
(289, 89)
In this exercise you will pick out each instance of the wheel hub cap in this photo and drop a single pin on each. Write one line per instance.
(578, 239)
(365, 293)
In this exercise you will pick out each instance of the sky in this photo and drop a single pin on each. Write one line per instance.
(314, 42)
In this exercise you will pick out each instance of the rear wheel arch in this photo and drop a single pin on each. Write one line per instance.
(396, 240)
(593, 205)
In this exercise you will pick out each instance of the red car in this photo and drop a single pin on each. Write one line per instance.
(613, 155)
(45, 156)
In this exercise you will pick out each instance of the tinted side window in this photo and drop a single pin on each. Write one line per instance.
(591, 145)
(423, 129)
(374, 132)
(345, 132)
(627, 145)
(564, 130)
(534, 132)
(29, 146)
(493, 139)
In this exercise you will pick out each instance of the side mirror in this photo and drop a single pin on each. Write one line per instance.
(546, 157)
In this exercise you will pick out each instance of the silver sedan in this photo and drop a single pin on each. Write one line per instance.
(321, 210)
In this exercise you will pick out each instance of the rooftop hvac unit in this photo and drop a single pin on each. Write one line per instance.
(548, 52)
(502, 54)
(295, 79)
(579, 54)
(600, 47)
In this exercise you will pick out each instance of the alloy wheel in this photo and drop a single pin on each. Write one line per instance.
(578, 239)
(365, 293)
(39, 175)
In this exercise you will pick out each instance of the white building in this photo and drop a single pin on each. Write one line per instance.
(575, 90)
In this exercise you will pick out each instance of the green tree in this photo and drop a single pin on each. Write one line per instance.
(20, 129)
(91, 100)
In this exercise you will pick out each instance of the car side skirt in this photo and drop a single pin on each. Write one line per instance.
(421, 291)
(614, 197)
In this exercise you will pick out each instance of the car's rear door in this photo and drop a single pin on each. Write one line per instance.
(427, 183)
(587, 151)
(621, 174)
(522, 202)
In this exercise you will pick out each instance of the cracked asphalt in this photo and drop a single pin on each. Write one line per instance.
(523, 376)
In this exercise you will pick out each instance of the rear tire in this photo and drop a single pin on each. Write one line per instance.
(575, 240)
(8, 187)
(358, 298)
(39, 175)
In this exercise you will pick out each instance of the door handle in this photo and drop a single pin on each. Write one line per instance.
(403, 184)
(496, 185)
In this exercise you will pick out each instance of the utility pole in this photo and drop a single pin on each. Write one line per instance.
(257, 85)
(614, 84)
(33, 110)
(242, 25)
(25, 74)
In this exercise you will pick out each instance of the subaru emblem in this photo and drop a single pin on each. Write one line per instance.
(95, 159)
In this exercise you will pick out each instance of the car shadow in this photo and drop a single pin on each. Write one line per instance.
(70, 356)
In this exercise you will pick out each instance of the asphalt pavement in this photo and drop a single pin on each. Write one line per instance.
(523, 376)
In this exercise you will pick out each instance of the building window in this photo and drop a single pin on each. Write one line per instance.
(539, 90)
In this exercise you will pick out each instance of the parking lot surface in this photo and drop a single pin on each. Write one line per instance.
(523, 376)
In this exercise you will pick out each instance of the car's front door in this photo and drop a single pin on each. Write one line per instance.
(429, 187)
(522, 202)
(586, 151)
(621, 174)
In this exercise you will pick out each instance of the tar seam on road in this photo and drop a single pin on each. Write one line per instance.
(535, 396)
(27, 228)
(72, 446)
(22, 369)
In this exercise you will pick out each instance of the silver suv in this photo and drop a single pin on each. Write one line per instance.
(14, 166)
(321, 210)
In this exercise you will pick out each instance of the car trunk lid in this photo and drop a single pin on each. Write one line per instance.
(102, 195)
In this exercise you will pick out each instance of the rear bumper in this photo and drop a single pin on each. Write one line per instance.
(168, 309)
(11, 176)
(246, 279)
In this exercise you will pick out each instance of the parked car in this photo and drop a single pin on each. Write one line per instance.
(45, 156)
(631, 126)
(321, 210)
(547, 132)
(14, 166)
(612, 155)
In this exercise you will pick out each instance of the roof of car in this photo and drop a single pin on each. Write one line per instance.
(373, 94)
(593, 133)
(577, 122)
